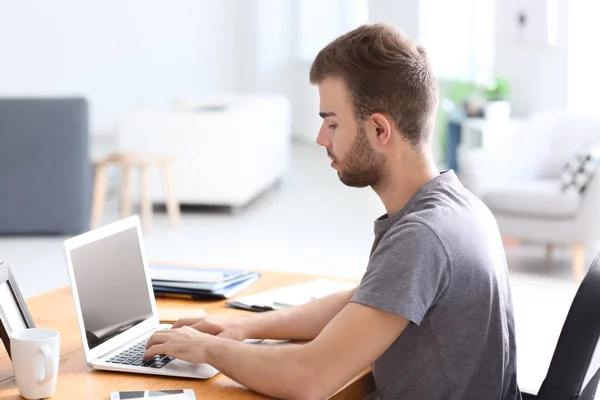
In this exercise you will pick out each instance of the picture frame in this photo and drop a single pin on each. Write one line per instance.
(535, 21)
(14, 314)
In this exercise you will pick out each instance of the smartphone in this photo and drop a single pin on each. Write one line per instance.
(183, 394)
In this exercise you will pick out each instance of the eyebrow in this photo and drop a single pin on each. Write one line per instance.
(327, 114)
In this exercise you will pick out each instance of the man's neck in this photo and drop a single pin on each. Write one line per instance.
(404, 181)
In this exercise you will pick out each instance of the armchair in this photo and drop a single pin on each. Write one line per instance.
(520, 182)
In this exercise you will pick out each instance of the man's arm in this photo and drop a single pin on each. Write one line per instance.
(303, 322)
(354, 339)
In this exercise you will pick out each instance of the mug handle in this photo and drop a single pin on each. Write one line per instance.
(49, 372)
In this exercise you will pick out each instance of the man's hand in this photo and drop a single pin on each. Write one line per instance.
(303, 322)
(184, 343)
(225, 327)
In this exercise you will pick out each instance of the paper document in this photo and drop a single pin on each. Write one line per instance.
(293, 295)
(183, 274)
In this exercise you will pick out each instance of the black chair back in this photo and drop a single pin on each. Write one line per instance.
(574, 371)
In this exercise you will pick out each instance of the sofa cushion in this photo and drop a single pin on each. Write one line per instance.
(578, 171)
(540, 198)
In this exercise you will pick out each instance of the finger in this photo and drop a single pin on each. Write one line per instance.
(226, 335)
(188, 329)
(157, 337)
(207, 327)
(184, 322)
(156, 349)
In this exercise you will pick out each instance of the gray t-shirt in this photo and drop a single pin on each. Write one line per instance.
(440, 263)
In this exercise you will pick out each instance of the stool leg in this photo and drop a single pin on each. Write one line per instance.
(146, 205)
(99, 196)
(125, 191)
(578, 262)
(172, 204)
(549, 252)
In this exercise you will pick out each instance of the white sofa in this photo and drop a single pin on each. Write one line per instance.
(228, 148)
(520, 183)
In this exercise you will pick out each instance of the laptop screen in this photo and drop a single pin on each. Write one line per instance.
(111, 283)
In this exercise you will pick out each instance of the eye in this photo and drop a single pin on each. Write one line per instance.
(332, 126)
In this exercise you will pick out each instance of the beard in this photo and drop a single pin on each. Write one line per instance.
(362, 166)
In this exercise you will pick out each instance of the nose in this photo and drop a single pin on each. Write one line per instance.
(324, 138)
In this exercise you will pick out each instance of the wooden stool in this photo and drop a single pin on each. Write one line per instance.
(127, 161)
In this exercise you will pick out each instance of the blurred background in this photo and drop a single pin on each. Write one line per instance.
(109, 108)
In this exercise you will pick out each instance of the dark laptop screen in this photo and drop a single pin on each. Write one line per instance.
(111, 282)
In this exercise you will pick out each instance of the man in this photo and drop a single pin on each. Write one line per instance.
(433, 312)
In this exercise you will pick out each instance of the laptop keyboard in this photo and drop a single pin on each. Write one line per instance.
(134, 354)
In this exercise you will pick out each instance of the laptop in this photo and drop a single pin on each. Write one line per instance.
(115, 305)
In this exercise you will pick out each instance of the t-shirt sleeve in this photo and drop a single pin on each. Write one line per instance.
(407, 272)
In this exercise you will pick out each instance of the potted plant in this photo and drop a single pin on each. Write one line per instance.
(497, 105)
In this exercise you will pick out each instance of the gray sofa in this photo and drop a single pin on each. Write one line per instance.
(45, 173)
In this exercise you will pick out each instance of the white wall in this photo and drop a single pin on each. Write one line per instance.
(537, 72)
(403, 14)
(119, 54)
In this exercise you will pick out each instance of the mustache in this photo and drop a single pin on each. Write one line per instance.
(330, 154)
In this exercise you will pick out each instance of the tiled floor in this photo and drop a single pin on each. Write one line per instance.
(310, 222)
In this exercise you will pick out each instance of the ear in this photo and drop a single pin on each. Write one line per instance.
(383, 128)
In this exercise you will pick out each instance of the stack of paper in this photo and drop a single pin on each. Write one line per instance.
(288, 296)
(200, 283)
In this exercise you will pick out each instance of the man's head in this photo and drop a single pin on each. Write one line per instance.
(378, 97)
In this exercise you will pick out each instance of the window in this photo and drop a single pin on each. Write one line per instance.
(583, 62)
(459, 38)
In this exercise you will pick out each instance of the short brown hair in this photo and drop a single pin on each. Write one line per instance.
(385, 72)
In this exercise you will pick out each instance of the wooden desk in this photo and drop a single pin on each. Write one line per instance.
(76, 380)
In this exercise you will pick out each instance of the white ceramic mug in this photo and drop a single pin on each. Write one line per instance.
(35, 354)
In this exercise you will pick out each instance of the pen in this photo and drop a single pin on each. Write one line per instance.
(261, 308)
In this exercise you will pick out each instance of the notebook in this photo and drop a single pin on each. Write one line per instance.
(289, 296)
(200, 294)
(196, 278)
